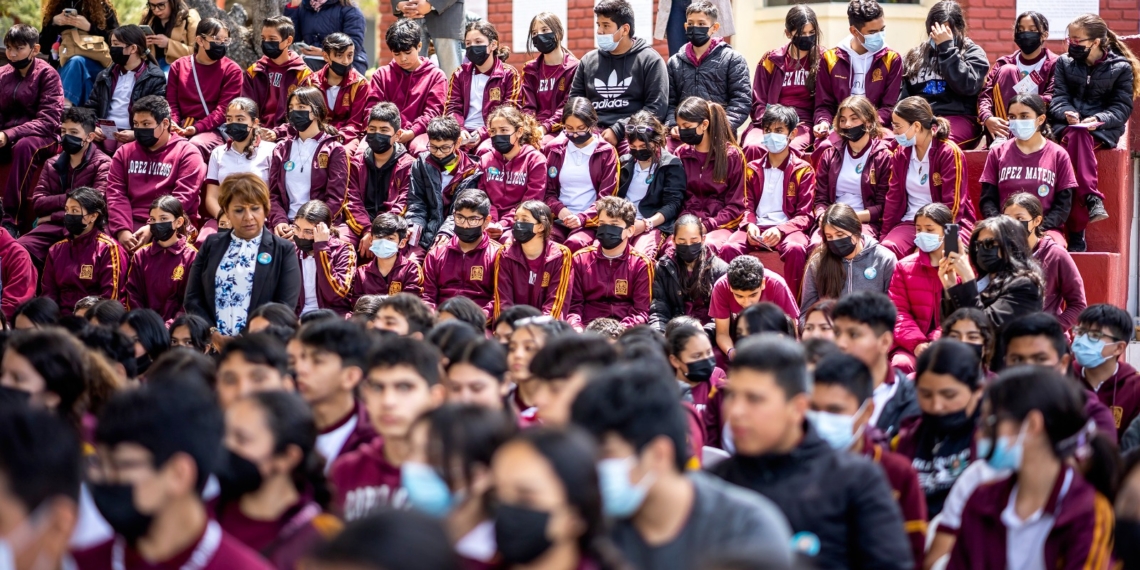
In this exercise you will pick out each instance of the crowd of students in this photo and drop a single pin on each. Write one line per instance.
(520, 318)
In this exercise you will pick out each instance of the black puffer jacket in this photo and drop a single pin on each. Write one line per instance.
(149, 80)
(953, 88)
(721, 77)
(668, 295)
(425, 197)
(666, 192)
(1104, 90)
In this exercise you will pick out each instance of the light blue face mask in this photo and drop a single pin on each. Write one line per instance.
(1006, 455)
(1088, 351)
(927, 242)
(383, 248)
(775, 142)
(874, 42)
(905, 142)
(836, 429)
(1023, 129)
(620, 498)
(427, 491)
(606, 42)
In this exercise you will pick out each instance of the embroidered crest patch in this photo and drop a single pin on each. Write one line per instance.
(86, 272)
(477, 273)
(621, 287)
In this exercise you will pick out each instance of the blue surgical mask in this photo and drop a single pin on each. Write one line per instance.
(775, 142)
(1005, 455)
(606, 42)
(875, 42)
(927, 242)
(427, 491)
(620, 498)
(836, 429)
(1023, 129)
(905, 142)
(1088, 351)
(383, 248)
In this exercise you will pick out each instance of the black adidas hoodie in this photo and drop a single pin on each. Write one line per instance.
(621, 85)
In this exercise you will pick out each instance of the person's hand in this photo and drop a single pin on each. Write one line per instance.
(99, 136)
(946, 273)
(771, 237)
(638, 228)
(158, 40)
(283, 230)
(675, 133)
(404, 136)
(962, 264)
(321, 233)
(918, 350)
(61, 19)
(219, 340)
(541, 132)
(267, 135)
(189, 131)
(313, 51)
(3, 140)
(127, 238)
(569, 219)
(441, 241)
(423, 8)
(142, 236)
(80, 21)
(364, 250)
(43, 220)
(1072, 118)
(998, 127)
(940, 32)
(821, 129)
(124, 137)
(1090, 120)
(494, 231)
(753, 234)
(610, 137)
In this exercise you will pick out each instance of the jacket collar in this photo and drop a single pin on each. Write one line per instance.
(63, 163)
(264, 65)
(484, 241)
(353, 77)
(515, 252)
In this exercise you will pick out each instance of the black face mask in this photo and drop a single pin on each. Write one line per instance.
(579, 138)
(272, 49)
(841, 247)
(73, 223)
(1027, 42)
(610, 236)
(697, 35)
(989, 261)
(14, 397)
(216, 51)
(502, 143)
(118, 57)
(22, 63)
(142, 363)
(340, 69)
(1025, 224)
(701, 370)
(853, 133)
(379, 143)
(300, 120)
(117, 504)
(237, 131)
(442, 162)
(641, 154)
(162, 231)
(469, 235)
(477, 54)
(521, 533)
(804, 43)
(948, 423)
(545, 43)
(72, 144)
(689, 253)
(978, 349)
(690, 136)
(147, 137)
(237, 476)
(522, 231)
(1079, 52)
(305, 245)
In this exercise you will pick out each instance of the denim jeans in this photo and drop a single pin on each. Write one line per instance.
(448, 52)
(78, 78)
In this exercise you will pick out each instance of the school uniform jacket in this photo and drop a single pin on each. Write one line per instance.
(545, 90)
(276, 281)
(31, 105)
(58, 178)
(158, 276)
(917, 292)
(285, 541)
(620, 288)
(798, 192)
(429, 201)
(666, 193)
(708, 401)
(1064, 287)
(1120, 394)
(397, 171)
(218, 551)
(504, 85)
(947, 183)
(769, 82)
(269, 85)
(220, 82)
(420, 95)
(604, 174)
(873, 182)
(509, 183)
(547, 291)
(349, 114)
(336, 265)
(882, 85)
(406, 276)
(719, 205)
(1081, 537)
(997, 91)
(91, 264)
(330, 177)
(18, 276)
(139, 175)
(908, 493)
(449, 272)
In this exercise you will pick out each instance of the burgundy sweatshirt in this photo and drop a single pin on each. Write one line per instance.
(18, 275)
(269, 85)
(998, 89)
(619, 288)
(406, 276)
(363, 482)
(1064, 287)
(220, 83)
(91, 264)
(157, 278)
(139, 175)
(58, 178)
(1120, 393)
(509, 183)
(350, 113)
(420, 95)
(449, 272)
(543, 283)
(30, 105)
(545, 90)
(883, 83)
(718, 204)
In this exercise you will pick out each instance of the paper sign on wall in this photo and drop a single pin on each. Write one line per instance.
(1059, 13)
(523, 11)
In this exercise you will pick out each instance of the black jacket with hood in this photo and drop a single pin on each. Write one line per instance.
(666, 193)
(1103, 89)
(720, 77)
(621, 85)
(149, 80)
(668, 292)
(425, 197)
(962, 74)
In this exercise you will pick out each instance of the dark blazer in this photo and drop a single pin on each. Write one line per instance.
(278, 281)
(666, 193)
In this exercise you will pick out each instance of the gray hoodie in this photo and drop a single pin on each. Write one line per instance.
(870, 270)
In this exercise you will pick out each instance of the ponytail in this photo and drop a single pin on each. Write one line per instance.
(1037, 105)
(492, 34)
(721, 137)
(1121, 48)
(915, 109)
(942, 132)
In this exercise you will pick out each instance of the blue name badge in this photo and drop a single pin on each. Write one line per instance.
(264, 258)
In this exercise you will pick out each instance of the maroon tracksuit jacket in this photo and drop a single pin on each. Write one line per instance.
(504, 85)
(269, 85)
(799, 192)
(1120, 393)
(57, 179)
(139, 175)
(947, 185)
(449, 272)
(708, 401)
(91, 264)
(30, 105)
(420, 95)
(228, 553)
(363, 482)
(998, 89)
(619, 288)
(330, 179)
(350, 113)
(510, 183)
(543, 283)
(545, 90)
(18, 276)
(406, 276)
(719, 205)
(157, 278)
(603, 174)
(220, 83)
(908, 493)
(1081, 537)
(874, 180)
(283, 542)
(768, 83)
(882, 84)
(1064, 288)
(336, 264)
(399, 172)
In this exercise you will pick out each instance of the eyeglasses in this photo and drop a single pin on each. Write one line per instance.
(441, 149)
(157, 6)
(216, 40)
(461, 220)
(1079, 41)
(987, 244)
(1094, 336)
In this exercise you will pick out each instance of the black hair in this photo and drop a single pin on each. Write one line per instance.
(278, 314)
(336, 43)
(208, 27)
(413, 309)
(924, 55)
(166, 418)
(1118, 322)
(646, 127)
(870, 308)
(452, 337)
(92, 201)
(474, 200)
(169, 204)
(320, 315)
(183, 364)
(464, 309)
(21, 35)
(150, 329)
(133, 35)
(492, 34)
(86, 303)
(1013, 245)
(719, 132)
(112, 344)
(682, 321)
(391, 540)
(830, 269)
(798, 17)
(551, 21)
(403, 351)
(484, 354)
(314, 99)
(342, 338)
(366, 307)
(1038, 106)
(1032, 206)
(39, 456)
(745, 273)
(817, 349)
(936, 212)
(258, 348)
(766, 317)
(61, 361)
(198, 328)
(860, 12)
(515, 313)
(953, 358)
(703, 7)
(619, 11)
(316, 212)
(83, 116)
(697, 284)
(980, 320)
(385, 112)
(839, 369)
(108, 312)
(678, 339)
(638, 404)
(1061, 402)
(156, 106)
(780, 114)
(42, 311)
(390, 223)
(403, 35)
(779, 356)
(916, 109)
(568, 353)
(582, 109)
(282, 24)
(443, 129)
(467, 435)
(645, 333)
(1037, 324)
(289, 419)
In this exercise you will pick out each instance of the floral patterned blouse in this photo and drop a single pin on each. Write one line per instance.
(233, 284)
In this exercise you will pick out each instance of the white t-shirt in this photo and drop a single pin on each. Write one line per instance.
(917, 184)
(330, 444)
(330, 96)
(299, 178)
(121, 101)
(881, 396)
(578, 190)
(309, 274)
(849, 185)
(225, 161)
(770, 207)
(1025, 539)
(474, 118)
(639, 186)
(860, 65)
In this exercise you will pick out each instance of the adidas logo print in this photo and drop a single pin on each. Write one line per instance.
(610, 90)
